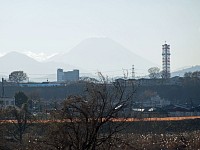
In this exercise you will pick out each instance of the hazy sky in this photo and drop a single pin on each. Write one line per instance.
(52, 26)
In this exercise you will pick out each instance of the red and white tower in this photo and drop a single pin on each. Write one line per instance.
(166, 61)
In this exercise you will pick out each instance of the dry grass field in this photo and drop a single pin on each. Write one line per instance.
(152, 141)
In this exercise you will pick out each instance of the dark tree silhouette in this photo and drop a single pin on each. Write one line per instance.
(154, 72)
(88, 120)
(17, 76)
(22, 120)
(20, 99)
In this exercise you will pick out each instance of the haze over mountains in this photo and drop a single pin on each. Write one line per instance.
(36, 70)
(188, 69)
(105, 55)
(90, 56)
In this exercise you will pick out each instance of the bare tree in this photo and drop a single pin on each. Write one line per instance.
(154, 72)
(92, 120)
(22, 119)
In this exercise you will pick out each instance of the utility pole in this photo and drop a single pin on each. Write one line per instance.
(2, 88)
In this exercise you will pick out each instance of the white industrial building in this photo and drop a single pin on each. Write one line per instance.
(67, 76)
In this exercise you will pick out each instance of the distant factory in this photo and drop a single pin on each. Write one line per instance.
(67, 76)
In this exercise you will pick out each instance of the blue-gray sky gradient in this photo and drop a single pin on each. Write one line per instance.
(142, 26)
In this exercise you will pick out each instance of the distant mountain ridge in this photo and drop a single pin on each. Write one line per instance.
(90, 56)
(36, 70)
(183, 71)
(105, 55)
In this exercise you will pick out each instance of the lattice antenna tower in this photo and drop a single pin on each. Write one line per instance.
(133, 72)
(166, 61)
